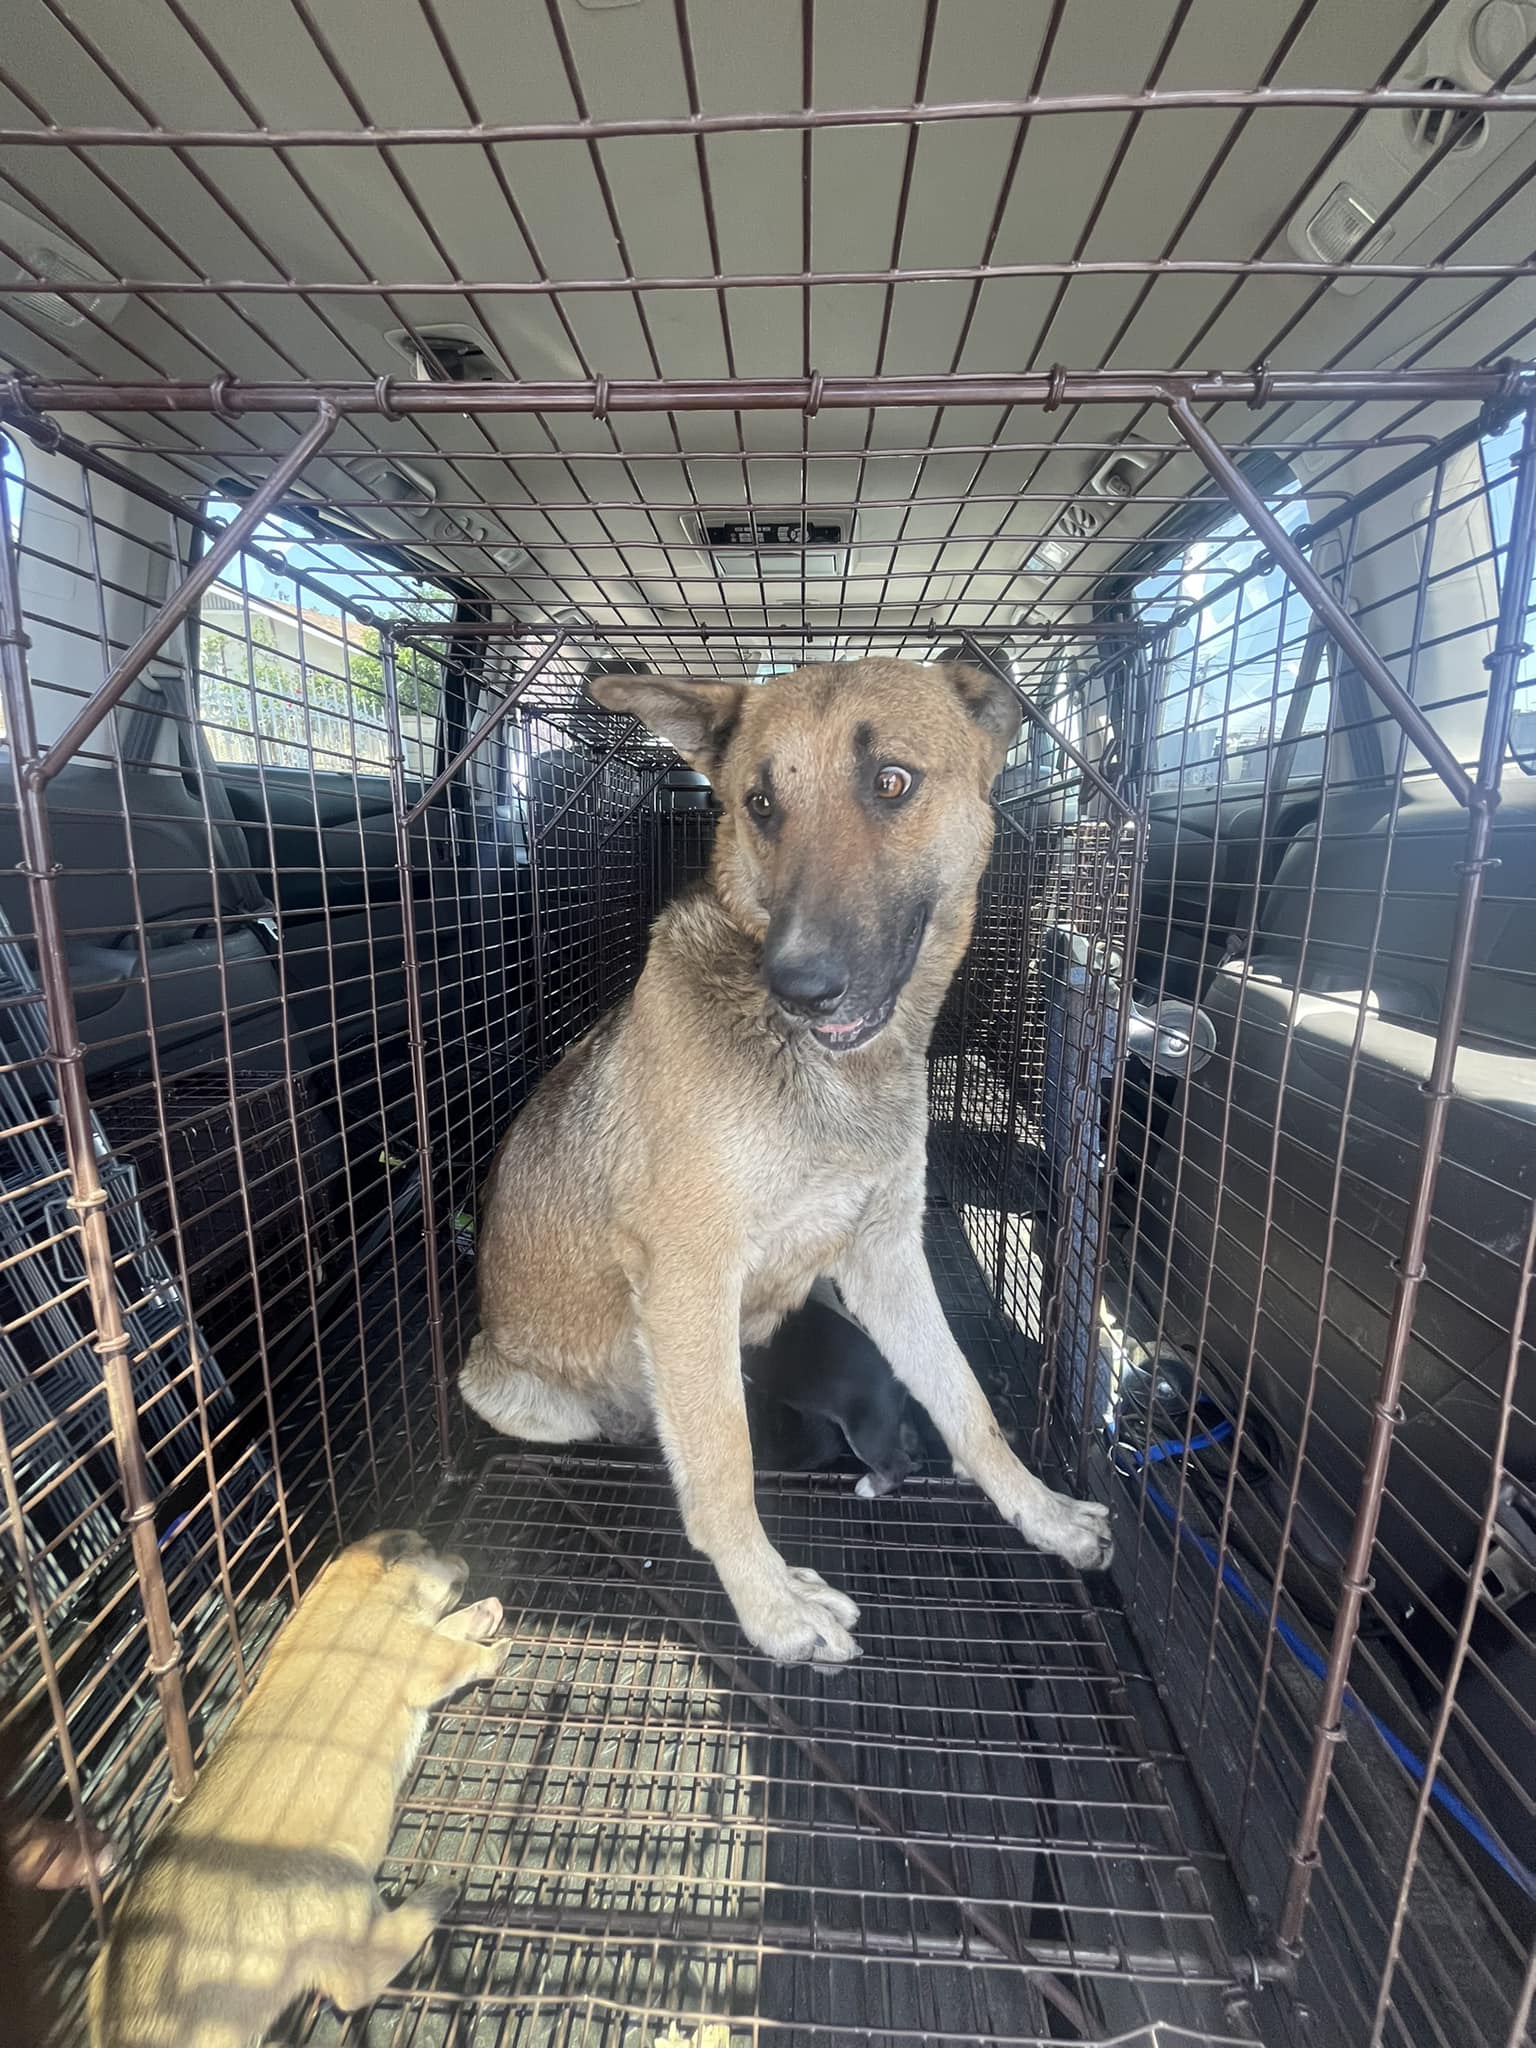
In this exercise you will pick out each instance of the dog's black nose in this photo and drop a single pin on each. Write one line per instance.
(809, 983)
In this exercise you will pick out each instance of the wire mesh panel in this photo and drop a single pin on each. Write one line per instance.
(1279, 1184)
(652, 1832)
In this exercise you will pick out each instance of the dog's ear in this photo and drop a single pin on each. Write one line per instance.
(695, 717)
(991, 702)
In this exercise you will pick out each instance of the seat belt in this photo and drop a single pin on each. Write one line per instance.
(249, 899)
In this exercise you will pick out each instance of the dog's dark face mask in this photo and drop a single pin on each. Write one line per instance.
(855, 824)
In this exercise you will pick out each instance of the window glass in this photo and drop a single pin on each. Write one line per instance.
(1229, 681)
(1498, 453)
(15, 481)
(15, 484)
(291, 680)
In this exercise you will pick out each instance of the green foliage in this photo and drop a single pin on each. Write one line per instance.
(295, 695)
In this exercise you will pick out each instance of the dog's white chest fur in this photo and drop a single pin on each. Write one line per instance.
(795, 1236)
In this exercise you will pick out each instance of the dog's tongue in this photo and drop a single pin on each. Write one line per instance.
(840, 1030)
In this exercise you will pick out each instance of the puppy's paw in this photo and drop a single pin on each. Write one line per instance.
(474, 1624)
(795, 1617)
(432, 1903)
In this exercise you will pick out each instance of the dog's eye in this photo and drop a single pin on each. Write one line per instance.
(893, 783)
(759, 803)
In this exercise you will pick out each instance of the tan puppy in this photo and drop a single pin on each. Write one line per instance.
(261, 1887)
(755, 1116)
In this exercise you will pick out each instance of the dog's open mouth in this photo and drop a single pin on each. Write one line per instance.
(857, 1031)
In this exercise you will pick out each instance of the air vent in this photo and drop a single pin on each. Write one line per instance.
(1079, 522)
(448, 355)
(1398, 174)
(1430, 127)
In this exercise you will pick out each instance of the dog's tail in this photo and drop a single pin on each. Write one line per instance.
(505, 1391)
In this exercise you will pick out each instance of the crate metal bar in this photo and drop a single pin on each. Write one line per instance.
(1471, 1603)
(416, 1028)
(1324, 605)
(184, 599)
(66, 288)
(791, 120)
(88, 1196)
(1503, 666)
(811, 394)
(487, 725)
(1049, 727)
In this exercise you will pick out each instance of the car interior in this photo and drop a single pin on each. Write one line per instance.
(377, 374)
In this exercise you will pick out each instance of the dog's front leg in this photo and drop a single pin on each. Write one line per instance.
(691, 1323)
(885, 1280)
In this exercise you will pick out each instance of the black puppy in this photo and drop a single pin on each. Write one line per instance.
(820, 1388)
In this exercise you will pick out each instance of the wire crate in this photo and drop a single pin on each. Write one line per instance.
(319, 852)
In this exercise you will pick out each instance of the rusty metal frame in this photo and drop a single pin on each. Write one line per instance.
(789, 120)
(1324, 605)
(1178, 395)
(1048, 389)
(488, 724)
(179, 605)
(88, 1195)
(1503, 666)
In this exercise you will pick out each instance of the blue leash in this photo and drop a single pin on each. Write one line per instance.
(1464, 1816)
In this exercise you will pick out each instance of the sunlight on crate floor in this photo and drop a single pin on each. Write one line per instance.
(652, 1825)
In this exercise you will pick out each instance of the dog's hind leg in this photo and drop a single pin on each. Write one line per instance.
(885, 1279)
(505, 1392)
(354, 1974)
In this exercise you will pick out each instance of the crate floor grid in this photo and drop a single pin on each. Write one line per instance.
(662, 1838)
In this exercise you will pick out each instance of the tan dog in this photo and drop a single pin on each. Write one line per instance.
(261, 1887)
(755, 1115)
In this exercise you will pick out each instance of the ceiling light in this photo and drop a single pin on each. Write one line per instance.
(1341, 228)
(1047, 558)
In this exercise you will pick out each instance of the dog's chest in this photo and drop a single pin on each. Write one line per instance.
(810, 1183)
(809, 1219)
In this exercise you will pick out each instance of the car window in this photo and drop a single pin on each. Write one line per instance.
(1499, 452)
(15, 483)
(1232, 668)
(290, 679)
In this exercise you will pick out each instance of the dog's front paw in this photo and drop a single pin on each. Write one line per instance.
(1077, 1530)
(795, 1617)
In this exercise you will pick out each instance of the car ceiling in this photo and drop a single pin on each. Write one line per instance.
(940, 536)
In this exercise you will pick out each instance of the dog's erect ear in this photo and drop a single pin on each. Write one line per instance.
(991, 702)
(695, 717)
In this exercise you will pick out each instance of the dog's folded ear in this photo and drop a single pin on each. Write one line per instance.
(697, 718)
(993, 703)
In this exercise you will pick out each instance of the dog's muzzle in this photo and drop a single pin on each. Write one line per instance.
(817, 986)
